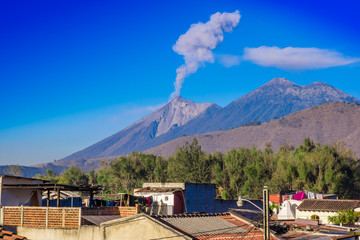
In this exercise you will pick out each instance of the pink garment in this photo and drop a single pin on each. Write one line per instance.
(299, 196)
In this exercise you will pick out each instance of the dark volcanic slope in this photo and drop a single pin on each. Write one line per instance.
(328, 123)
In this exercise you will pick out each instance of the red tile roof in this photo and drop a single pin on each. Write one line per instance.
(328, 205)
(10, 235)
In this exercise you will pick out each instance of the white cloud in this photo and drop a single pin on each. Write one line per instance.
(228, 60)
(296, 58)
(197, 43)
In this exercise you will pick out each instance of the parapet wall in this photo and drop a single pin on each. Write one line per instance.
(47, 217)
(122, 211)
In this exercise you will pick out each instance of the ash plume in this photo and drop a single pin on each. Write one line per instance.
(197, 43)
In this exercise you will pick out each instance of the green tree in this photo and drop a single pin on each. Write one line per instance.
(74, 176)
(344, 217)
(15, 170)
(190, 164)
(92, 177)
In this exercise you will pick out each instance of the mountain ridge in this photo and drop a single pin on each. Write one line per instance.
(180, 117)
(175, 113)
(326, 124)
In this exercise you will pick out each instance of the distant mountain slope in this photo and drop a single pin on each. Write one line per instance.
(328, 123)
(181, 117)
(275, 99)
(141, 134)
(34, 170)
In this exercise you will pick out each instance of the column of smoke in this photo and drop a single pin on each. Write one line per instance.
(197, 43)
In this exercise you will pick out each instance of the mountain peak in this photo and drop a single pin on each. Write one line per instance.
(178, 98)
(177, 112)
(280, 81)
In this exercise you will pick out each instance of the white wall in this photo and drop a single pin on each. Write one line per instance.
(167, 197)
(18, 197)
(82, 233)
(140, 228)
(323, 216)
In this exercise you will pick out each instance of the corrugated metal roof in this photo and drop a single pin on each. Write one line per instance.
(199, 225)
(97, 220)
(157, 190)
(164, 185)
(328, 205)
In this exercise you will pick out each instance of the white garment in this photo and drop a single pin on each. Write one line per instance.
(311, 195)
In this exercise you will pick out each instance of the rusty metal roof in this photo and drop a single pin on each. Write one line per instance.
(10, 235)
(328, 205)
(157, 190)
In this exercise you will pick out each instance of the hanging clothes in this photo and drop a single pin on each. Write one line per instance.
(285, 197)
(319, 196)
(148, 201)
(311, 195)
(299, 196)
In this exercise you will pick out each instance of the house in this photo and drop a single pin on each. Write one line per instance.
(180, 197)
(67, 199)
(288, 210)
(215, 226)
(143, 226)
(167, 198)
(4, 234)
(176, 198)
(12, 196)
(21, 191)
(321, 209)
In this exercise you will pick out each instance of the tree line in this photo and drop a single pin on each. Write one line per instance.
(242, 171)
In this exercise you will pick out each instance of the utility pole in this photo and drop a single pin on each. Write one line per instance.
(266, 213)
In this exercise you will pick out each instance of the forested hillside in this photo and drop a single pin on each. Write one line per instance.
(242, 171)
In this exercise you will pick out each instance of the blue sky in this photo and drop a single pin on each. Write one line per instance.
(75, 72)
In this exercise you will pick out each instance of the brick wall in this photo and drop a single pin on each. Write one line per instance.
(56, 217)
(51, 217)
(122, 211)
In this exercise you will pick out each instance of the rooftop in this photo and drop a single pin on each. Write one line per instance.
(10, 235)
(157, 190)
(209, 226)
(328, 205)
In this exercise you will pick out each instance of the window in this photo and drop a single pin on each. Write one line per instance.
(315, 218)
(166, 198)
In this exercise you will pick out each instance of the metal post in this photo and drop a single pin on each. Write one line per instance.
(63, 217)
(1, 178)
(2, 216)
(22, 215)
(58, 197)
(80, 216)
(266, 213)
(48, 198)
(47, 216)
